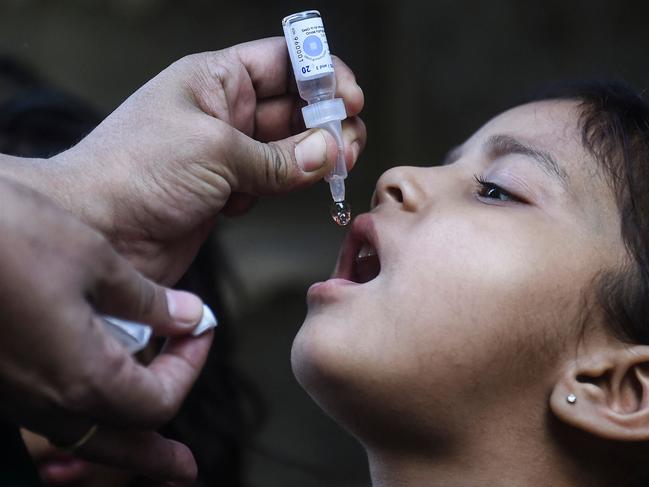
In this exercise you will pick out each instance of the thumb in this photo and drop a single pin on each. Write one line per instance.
(281, 166)
(121, 291)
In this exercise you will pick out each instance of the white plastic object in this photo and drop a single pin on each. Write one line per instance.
(316, 82)
(135, 336)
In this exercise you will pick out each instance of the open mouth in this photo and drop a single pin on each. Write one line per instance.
(366, 264)
(359, 259)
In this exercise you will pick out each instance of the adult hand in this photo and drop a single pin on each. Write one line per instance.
(209, 133)
(60, 373)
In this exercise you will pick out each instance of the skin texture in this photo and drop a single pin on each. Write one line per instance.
(59, 371)
(207, 135)
(444, 364)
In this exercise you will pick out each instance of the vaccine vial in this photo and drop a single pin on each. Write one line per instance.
(310, 57)
(316, 82)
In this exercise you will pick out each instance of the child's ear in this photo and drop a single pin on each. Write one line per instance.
(605, 392)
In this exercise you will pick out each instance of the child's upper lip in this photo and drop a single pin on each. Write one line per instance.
(362, 230)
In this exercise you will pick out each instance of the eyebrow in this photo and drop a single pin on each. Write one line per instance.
(503, 145)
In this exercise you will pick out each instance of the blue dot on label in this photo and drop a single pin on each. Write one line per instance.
(312, 46)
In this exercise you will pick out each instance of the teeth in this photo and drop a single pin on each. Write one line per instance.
(366, 251)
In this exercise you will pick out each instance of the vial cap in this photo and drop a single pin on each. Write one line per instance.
(323, 112)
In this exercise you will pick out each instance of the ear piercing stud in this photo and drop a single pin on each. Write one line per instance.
(571, 399)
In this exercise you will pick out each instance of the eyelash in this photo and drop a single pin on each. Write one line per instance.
(483, 186)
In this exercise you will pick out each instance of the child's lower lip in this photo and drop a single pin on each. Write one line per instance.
(328, 286)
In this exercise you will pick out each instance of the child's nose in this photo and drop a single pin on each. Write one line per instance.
(400, 186)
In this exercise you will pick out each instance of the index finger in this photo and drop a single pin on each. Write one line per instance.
(268, 65)
(134, 395)
(142, 452)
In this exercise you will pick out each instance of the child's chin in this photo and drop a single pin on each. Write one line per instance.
(319, 357)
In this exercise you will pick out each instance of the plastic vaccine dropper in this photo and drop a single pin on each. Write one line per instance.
(316, 81)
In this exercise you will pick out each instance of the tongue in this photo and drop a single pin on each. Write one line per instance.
(366, 268)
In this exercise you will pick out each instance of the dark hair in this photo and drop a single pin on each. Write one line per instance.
(37, 120)
(614, 124)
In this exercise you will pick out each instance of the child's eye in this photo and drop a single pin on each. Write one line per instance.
(489, 190)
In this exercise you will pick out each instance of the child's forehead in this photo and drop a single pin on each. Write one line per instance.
(551, 125)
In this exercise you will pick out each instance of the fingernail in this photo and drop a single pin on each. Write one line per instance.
(185, 308)
(208, 321)
(311, 153)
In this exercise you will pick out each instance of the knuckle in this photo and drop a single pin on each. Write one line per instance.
(86, 383)
(217, 74)
(205, 75)
(91, 384)
(114, 272)
(189, 59)
(95, 242)
(278, 164)
(219, 140)
(75, 397)
(361, 130)
(166, 408)
(355, 130)
(98, 250)
(110, 362)
(218, 132)
(79, 393)
(146, 298)
(195, 63)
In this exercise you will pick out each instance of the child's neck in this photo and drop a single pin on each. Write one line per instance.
(519, 466)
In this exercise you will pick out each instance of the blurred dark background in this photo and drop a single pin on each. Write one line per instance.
(432, 73)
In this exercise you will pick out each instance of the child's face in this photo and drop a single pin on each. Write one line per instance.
(480, 289)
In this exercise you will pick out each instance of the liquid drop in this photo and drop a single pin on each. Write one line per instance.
(341, 213)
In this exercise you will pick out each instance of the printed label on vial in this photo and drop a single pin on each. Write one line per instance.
(309, 48)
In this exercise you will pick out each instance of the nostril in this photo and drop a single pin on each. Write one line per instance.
(395, 193)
